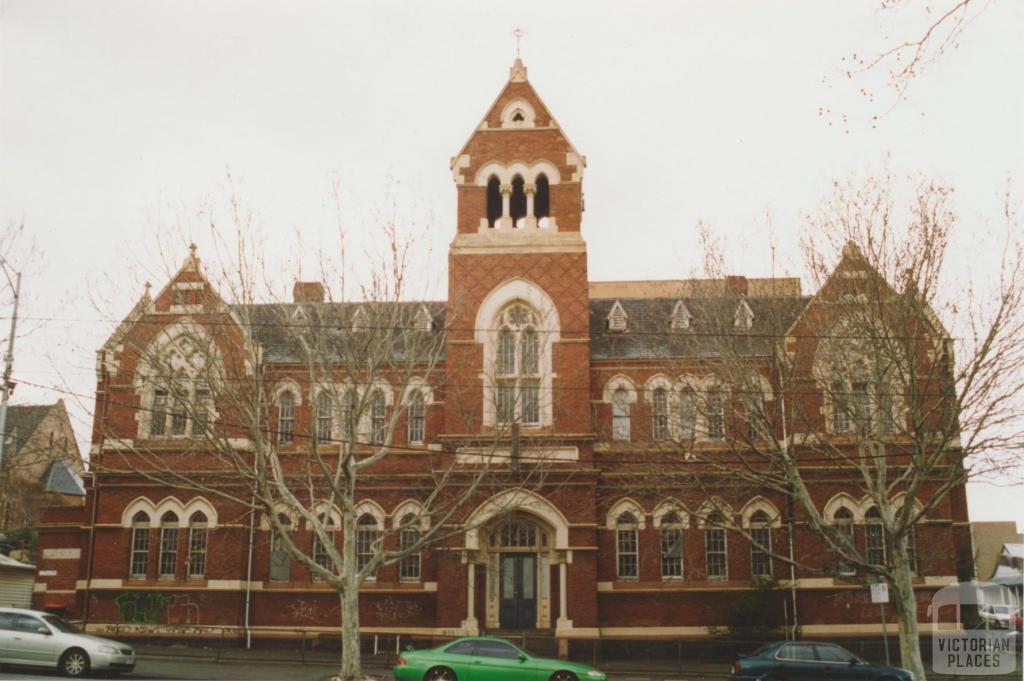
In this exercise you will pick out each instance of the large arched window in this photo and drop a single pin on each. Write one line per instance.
(366, 536)
(140, 545)
(760, 544)
(408, 535)
(517, 367)
(627, 548)
(168, 545)
(620, 415)
(197, 525)
(173, 382)
(671, 546)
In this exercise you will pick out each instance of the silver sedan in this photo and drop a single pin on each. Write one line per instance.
(38, 639)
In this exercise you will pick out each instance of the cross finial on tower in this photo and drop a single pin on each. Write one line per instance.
(518, 33)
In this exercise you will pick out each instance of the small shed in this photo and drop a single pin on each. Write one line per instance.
(16, 580)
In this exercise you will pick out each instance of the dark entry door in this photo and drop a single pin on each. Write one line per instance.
(518, 591)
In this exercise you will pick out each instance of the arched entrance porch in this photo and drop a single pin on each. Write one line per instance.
(517, 536)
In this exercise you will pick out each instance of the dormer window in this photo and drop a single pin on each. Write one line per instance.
(360, 321)
(617, 318)
(681, 316)
(744, 318)
(423, 321)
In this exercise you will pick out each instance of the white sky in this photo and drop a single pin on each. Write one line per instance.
(118, 119)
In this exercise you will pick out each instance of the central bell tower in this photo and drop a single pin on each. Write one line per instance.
(518, 337)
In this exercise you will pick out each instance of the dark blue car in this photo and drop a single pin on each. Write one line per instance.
(803, 661)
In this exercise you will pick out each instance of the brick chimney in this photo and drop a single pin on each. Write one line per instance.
(308, 292)
(736, 286)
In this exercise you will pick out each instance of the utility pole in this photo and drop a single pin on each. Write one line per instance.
(8, 363)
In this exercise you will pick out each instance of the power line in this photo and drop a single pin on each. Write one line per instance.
(304, 435)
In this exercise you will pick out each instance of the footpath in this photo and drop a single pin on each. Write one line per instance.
(379, 666)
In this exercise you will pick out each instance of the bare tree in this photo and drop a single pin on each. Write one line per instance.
(222, 384)
(862, 387)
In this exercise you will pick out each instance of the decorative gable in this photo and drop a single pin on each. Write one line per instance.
(744, 317)
(617, 318)
(681, 316)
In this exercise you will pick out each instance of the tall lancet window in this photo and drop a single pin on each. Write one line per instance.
(517, 204)
(517, 367)
(493, 201)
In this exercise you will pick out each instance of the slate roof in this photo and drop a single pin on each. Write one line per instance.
(649, 333)
(23, 419)
(59, 478)
(275, 326)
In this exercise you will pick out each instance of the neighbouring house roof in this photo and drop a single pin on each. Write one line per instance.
(990, 537)
(22, 421)
(60, 479)
(8, 562)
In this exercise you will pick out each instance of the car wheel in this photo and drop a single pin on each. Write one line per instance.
(563, 676)
(439, 674)
(74, 662)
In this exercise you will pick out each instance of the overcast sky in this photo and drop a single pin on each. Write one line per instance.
(118, 121)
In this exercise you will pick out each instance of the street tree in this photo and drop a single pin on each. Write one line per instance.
(896, 382)
(223, 379)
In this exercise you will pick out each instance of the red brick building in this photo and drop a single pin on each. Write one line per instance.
(601, 389)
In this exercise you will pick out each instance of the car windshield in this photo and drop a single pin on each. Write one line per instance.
(60, 624)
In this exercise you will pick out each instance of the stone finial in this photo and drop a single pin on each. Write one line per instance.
(517, 74)
(147, 286)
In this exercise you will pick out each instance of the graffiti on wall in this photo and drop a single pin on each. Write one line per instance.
(394, 610)
(141, 607)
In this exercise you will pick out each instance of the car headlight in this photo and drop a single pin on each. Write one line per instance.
(109, 649)
(594, 674)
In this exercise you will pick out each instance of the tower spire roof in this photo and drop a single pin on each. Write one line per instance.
(517, 74)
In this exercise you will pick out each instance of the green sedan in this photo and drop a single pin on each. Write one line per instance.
(484, 658)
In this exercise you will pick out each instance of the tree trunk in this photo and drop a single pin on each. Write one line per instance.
(905, 605)
(351, 663)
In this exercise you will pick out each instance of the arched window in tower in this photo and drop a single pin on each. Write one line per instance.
(285, 418)
(517, 204)
(517, 367)
(843, 520)
(280, 559)
(671, 546)
(493, 201)
(409, 566)
(542, 201)
(378, 423)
